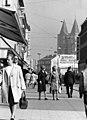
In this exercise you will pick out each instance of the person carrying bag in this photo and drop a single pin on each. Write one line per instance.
(23, 103)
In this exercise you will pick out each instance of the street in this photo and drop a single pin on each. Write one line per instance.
(63, 109)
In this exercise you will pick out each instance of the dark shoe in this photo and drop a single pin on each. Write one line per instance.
(46, 99)
(12, 119)
(57, 98)
(80, 96)
(53, 99)
(86, 111)
(39, 98)
(68, 96)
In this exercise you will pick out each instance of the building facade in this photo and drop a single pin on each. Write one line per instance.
(45, 61)
(18, 7)
(62, 62)
(83, 45)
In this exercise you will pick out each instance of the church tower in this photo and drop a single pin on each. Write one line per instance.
(61, 42)
(74, 34)
(75, 29)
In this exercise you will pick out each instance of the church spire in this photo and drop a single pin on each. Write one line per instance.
(75, 29)
(64, 28)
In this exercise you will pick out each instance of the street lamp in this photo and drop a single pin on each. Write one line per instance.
(39, 54)
(57, 62)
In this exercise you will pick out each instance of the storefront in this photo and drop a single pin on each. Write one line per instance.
(10, 30)
(10, 27)
(83, 45)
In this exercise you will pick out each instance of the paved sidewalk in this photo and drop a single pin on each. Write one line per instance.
(49, 110)
(64, 109)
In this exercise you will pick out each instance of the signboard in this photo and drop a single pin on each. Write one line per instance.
(68, 60)
(3, 53)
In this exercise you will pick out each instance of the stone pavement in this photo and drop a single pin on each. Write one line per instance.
(64, 109)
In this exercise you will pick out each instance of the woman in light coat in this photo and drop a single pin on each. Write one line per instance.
(54, 82)
(13, 84)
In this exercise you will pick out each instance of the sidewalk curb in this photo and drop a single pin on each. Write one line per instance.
(4, 104)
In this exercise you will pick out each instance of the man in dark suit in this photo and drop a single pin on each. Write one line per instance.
(69, 80)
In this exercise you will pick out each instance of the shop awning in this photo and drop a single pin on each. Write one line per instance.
(9, 26)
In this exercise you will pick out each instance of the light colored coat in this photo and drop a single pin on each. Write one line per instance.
(54, 80)
(17, 82)
(85, 79)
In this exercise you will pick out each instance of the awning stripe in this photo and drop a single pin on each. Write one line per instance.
(10, 27)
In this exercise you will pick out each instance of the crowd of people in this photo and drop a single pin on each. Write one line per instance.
(15, 80)
(55, 81)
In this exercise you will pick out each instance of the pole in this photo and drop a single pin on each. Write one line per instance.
(39, 55)
(39, 61)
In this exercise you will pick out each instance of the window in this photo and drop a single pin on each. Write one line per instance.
(6, 3)
(21, 3)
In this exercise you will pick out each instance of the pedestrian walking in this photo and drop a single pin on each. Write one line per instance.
(25, 71)
(28, 77)
(34, 78)
(84, 86)
(12, 84)
(54, 82)
(42, 82)
(66, 82)
(69, 80)
(80, 79)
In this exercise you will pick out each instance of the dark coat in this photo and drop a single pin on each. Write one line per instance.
(84, 80)
(69, 78)
(81, 82)
(42, 85)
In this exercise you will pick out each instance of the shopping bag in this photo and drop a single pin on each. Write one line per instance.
(59, 89)
(23, 103)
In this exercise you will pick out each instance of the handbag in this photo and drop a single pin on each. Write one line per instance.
(59, 89)
(23, 103)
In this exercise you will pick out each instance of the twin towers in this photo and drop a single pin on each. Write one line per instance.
(67, 42)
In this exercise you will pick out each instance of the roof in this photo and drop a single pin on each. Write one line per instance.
(64, 28)
(25, 23)
(49, 57)
(83, 27)
(10, 27)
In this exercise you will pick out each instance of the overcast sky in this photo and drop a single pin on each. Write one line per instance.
(44, 18)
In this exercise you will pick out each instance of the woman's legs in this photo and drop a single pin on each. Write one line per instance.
(39, 95)
(45, 95)
(85, 102)
(12, 104)
(13, 110)
(85, 110)
(53, 94)
(57, 98)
